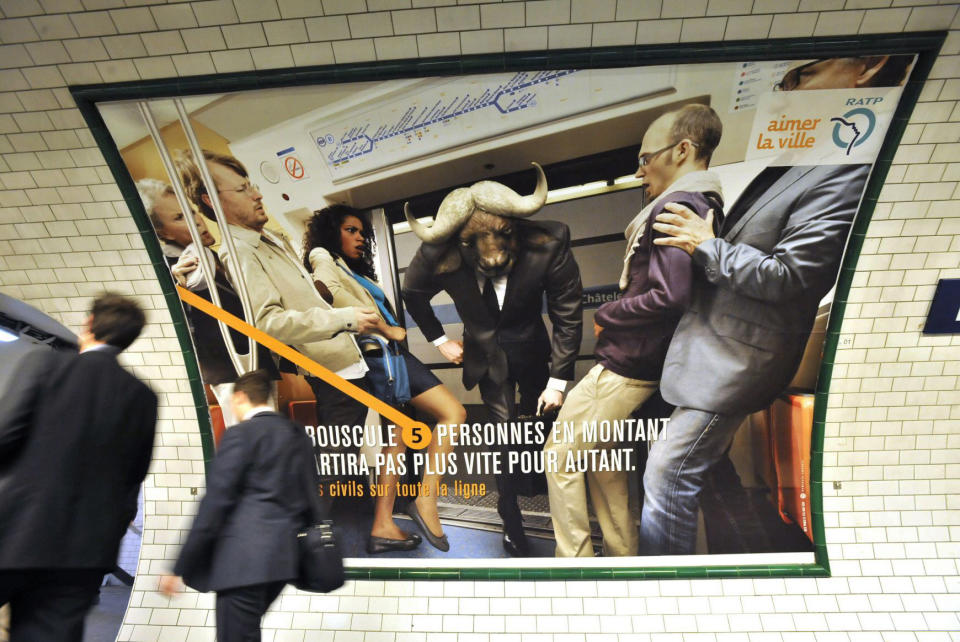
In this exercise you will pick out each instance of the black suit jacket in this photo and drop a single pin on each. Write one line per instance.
(215, 364)
(246, 528)
(544, 265)
(76, 435)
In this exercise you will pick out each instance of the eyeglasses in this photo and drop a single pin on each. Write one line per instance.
(791, 79)
(644, 159)
(248, 188)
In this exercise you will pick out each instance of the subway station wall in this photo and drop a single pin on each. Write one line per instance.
(892, 448)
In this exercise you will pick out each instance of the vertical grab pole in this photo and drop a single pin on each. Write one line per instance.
(242, 363)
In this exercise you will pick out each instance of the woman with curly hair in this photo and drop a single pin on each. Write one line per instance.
(338, 250)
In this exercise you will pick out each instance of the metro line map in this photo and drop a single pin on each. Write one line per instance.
(447, 113)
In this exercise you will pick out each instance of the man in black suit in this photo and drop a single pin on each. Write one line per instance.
(497, 267)
(76, 435)
(243, 543)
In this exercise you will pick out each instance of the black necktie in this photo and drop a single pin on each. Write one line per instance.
(490, 299)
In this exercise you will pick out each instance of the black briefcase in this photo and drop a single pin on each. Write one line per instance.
(321, 562)
(533, 483)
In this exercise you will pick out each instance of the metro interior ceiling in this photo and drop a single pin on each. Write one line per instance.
(570, 170)
(606, 166)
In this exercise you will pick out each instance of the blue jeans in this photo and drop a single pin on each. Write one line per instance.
(691, 444)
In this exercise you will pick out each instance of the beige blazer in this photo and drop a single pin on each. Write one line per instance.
(286, 304)
(334, 273)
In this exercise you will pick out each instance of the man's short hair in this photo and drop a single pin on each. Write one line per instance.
(117, 320)
(256, 385)
(151, 191)
(192, 180)
(700, 124)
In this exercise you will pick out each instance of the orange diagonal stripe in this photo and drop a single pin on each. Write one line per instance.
(301, 360)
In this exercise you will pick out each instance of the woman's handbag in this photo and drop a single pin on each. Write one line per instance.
(321, 562)
(388, 371)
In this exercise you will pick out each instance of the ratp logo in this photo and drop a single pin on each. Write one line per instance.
(853, 128)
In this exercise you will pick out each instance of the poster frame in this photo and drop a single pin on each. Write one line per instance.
(925, 44)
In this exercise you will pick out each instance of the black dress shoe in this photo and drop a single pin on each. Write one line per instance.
(385, 545)
(516, 548)
(437, 542)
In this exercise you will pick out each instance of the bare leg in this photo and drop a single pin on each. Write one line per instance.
(383, 524)
(440, 403)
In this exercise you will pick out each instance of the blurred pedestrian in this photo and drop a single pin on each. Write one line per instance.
(76, 435)
(243, 542)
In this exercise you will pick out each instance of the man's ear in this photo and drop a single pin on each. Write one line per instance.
(684, 151)
(206, 200)
(873, 65)
(88, 326)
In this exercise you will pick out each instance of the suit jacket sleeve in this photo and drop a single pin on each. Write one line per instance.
(809, 250)
(565, 308)
(144, 417)
(419, 287)
(671, 280)
(326, 271)
(331, 274)
(224, 484)
(18, 403)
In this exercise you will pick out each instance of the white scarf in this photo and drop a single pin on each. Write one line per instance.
(195, 280)
(699, 181)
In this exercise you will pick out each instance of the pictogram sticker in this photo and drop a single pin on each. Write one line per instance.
(294, 168)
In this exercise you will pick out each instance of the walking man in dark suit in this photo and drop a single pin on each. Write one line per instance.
(76, 435)
(243, 543)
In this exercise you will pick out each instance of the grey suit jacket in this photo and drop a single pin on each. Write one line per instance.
(756, 297)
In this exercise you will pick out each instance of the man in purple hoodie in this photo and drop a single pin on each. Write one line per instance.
(633, 332)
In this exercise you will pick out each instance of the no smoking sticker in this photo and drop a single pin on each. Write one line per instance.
(294, 168)
(292, 164)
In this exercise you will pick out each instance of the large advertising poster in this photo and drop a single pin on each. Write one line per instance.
(600, 295)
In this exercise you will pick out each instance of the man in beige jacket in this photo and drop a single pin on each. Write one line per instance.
(283, 298)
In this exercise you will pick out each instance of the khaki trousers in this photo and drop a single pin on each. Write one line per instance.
(601, 394)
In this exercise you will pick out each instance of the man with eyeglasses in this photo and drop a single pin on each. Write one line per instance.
(633, 332)
(283, 298)
(758, 285)
(837, 73)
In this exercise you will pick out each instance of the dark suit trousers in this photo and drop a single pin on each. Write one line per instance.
(500, 401)
(49, 605)
(335, 407)
(239, 611)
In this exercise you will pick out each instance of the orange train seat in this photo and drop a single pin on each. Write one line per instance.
(790, 424)
(216, 416)
(217, 424)
(295, 398)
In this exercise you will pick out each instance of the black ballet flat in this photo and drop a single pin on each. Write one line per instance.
(437, 542)
(377, 545)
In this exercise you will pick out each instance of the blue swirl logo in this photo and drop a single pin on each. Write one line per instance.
(853, 128)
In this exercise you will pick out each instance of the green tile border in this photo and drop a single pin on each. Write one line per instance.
(927, 44)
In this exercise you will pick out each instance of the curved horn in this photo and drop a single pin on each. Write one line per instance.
(499, 199)
(454, 211)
